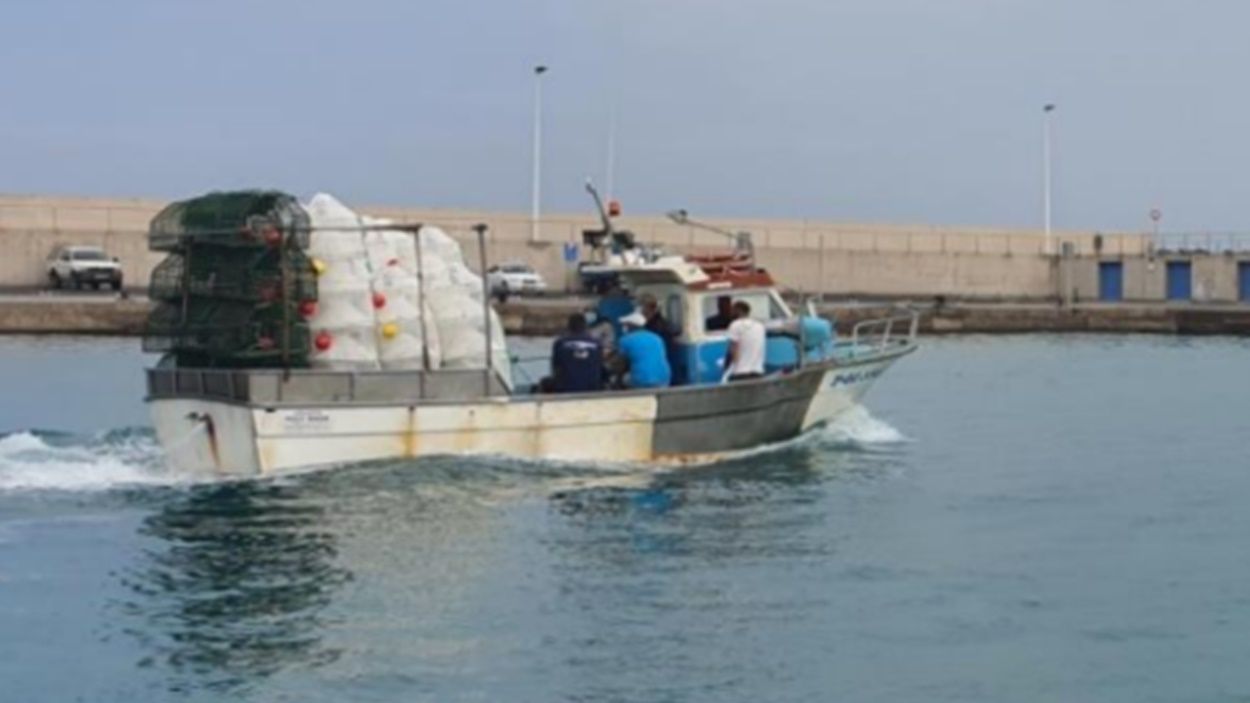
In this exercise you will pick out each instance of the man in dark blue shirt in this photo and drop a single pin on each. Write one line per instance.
(577, 359)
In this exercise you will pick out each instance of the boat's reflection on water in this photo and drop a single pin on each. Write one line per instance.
(234, 588)
(791, 468)
(244, 582)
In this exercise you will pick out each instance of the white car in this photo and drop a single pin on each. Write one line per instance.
(80, 266)
(512, 278)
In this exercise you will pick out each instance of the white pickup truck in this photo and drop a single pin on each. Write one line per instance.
(80, 266)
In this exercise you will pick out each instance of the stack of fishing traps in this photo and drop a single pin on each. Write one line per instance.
(237, 284)
(258, 279)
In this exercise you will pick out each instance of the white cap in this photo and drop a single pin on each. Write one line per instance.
(634, 319)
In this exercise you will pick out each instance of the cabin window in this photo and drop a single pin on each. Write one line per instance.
(764, 306)
(673, 311)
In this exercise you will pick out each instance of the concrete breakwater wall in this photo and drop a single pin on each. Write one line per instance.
(834, 259)
(831, 258)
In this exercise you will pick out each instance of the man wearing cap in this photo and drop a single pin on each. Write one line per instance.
(657, 323)
(643, 351)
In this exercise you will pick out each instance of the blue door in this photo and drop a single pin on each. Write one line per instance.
(1110, 280)
(1180, 280)
(1243, 280)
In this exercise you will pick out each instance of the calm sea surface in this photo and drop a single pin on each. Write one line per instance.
(1018, 519)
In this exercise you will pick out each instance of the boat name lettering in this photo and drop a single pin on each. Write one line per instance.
(306, 421)
(852, 377)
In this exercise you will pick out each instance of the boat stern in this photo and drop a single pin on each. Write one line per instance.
(206, 437)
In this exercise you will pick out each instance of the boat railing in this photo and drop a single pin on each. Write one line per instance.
(279, 386)
(879, 334)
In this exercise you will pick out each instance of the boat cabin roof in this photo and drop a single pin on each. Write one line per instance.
(700, 272)
(667, 269)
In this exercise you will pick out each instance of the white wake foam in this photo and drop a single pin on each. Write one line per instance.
(29, 462)
(858, 426)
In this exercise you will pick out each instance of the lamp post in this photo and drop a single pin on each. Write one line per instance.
(1046, 112)
(539, 70)
(1155, 215)
(610, 167)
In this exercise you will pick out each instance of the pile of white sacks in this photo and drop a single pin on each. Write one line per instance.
(384, 305)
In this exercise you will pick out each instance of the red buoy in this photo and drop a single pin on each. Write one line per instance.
(308, 308)
(379, 301)
(323, 340)
(614, 208)
(272, 236)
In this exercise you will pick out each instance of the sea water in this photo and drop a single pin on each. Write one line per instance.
(1025, 518)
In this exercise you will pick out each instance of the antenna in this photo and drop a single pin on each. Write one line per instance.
(741, 239)
(603, 214)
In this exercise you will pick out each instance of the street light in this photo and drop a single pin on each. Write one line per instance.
(539, 70)
(610, 166)
(1046, 111)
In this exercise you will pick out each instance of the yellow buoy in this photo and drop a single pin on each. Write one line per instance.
(319, 267)
(389, 330)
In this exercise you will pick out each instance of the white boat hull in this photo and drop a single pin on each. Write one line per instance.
(674, 425)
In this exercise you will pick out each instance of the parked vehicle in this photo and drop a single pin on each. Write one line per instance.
(511, 278)
(79, 266)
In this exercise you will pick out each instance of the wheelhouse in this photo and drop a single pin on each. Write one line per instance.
(688, 291)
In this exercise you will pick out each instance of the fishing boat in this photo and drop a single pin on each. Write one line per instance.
(268, 420)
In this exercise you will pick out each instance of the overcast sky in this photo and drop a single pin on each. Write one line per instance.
(880, 110)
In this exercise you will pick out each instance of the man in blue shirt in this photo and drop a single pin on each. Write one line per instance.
(644, 352)
(577, 359)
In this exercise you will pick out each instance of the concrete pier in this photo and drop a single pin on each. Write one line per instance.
(37, 313)
(109, 315)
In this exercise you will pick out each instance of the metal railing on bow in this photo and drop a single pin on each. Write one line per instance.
(878, 334)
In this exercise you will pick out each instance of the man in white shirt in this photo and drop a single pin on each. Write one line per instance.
(747, 337)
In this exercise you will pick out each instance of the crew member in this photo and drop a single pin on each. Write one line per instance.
(576, 359)
(668, 333)
(724, 315)
(747, 338)
(656, 321)
(643, 353)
